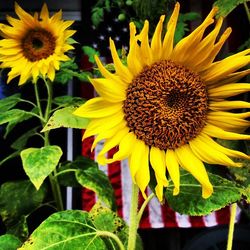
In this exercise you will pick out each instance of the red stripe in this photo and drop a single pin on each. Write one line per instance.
(114, 174)
(223, 215)
(144, 223)
(168, 216)
(196, 221)
(88, 196)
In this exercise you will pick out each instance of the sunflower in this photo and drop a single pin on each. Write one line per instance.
(167, 105)
(34, 45)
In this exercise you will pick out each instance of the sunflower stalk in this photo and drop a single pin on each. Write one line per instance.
(231, 227)
(133, 221)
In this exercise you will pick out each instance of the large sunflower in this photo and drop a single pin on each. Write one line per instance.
(34, 45)
(165, 107)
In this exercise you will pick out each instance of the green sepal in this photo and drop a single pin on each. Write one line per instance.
(65, 230)
(9, 242)
(64, 118)
(9, 102)
(189, 201)
(38, 163)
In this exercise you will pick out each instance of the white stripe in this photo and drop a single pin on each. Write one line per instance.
(182, 220)
(126, 183)
(210, 220)
(155, 214)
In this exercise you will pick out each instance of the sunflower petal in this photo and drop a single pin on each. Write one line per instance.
(98, 107)
(227, 105)
(108, 89)
(173, 170)
(208, 154)
(217, 132)
(192, 164)
(44, 12)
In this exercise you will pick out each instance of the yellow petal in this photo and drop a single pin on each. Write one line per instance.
(98, 107)
(44, 12)
(173, 170)
(227, 105)
(109, 89)
(195, 166)
(111, 143)
(229, 90)
(208, 154)
(124, 148)
(9, 43)
(24, 16)
(109, 75)
(156, 44)
(158, 162)
(136, 157)
(142, 176)
(229, 152)
(120, 69)
(168, 41)
(217, 132)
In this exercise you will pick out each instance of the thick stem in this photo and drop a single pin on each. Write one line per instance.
(38, 102)
(53, 180)
(112, 236)
(133, 221)
(231, 226)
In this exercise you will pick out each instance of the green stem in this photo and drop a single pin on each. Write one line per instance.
(53, 180)
(65, 171)
(231, 226)
(112, 236)
(27, 101)
(133, 222)
(38, 101)
(38, 116)
(247, 11)
(145, 203)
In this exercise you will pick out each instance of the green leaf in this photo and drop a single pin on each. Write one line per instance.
(90, 52)
(65, 230)
(105, 219)
(13, 116)
(38, 163)
(97, 16)
(227, 6)
(9, 242)
(9, 102)
(19, 198)
(66, 100)
(21, 142)
(189, 201)
(96, 180)
(68, 169)
(64, 118)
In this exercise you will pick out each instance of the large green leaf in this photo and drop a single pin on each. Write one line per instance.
(9, 242)
(96, 180)
(9, 102)
(227, 6)
(19, 198)
(68, 230)
(64, 118)
(189, 201)
(19, 228)
(38, 163)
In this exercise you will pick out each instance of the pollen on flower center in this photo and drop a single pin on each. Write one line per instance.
(38, 44)
(166, 105)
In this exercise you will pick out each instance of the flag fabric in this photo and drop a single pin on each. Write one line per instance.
(155, 214)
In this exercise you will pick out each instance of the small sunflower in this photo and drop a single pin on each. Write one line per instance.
(34, 45)
(165, 107)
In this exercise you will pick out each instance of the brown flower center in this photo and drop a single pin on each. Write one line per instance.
(166, 105)
(38, 44)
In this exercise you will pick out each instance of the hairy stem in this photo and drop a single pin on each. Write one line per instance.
(145, 203)
(231, 226)
(133, 222)
(112, 236)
